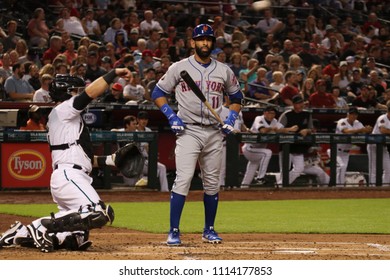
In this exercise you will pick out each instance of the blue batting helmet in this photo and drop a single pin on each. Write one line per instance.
(203, 30)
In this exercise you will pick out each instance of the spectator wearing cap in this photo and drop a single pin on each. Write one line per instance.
(347, 125)
(91, 26)
(133, 39)
(115, 95)
(93, 71)
(289, 90)
(115, 25)
(72, 24)
(148, 24)
(320, 98)
(16, 88)
(330, 33)
(34, 121)
(54, 49)
(106, 63)
(331, 69)
(134, 90)
(42, 94)
(146, 62)
(366, 100)
(296, 117)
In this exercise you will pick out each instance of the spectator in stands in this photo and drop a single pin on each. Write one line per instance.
(288, 49)
(331, 69)
(235, 64)
(42, 94)
(6, 68)
(115, 95)
(134, 90)
(354, 87)
(115, 26)
(16, 88)
(14, 56)
(21, 48)
(364, 100)
(131, 22)
(162, 48)
(143, 119)
(148, 24)
(269, 24)
(9, 42)
(93, 71)
(372, 21)
(141, 47)
(303, 119)
(289, 90)
(307, 89)
(34, 121)
(376, 82)
(55, 47)
(341, 103)
(258, 89)
(120, 42)
(72, 24)
(385, 98)
(146, 62)
(320, 98)
(70, 52)
(311, 28)
(307, 56)
(249, 74)
(258, 155)
(91, 26)
(152, 42)
(32, 75)
(343, 78)
(37, 29)
(106, 63)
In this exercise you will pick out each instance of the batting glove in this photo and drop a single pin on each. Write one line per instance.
(177, 125)
(228, 126)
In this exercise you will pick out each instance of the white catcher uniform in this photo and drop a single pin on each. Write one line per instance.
(344, 149)
(201, 140)
(237, 126)
(382, 121)
(257, 154)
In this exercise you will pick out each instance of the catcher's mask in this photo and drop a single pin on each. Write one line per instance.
(63, 87)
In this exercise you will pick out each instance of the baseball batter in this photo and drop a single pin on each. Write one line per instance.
(199, 138)
(257, 154)
(348, 125)
(382, 126)
(80, 207)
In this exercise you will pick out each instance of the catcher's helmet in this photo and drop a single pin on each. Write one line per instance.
(203, 30)
(62, 85)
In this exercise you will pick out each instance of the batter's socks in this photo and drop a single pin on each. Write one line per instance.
(210, 209)
(177, 205)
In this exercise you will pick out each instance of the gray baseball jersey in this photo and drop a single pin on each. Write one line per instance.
(212, 81)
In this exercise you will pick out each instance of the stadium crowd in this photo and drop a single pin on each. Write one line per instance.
(332, 53)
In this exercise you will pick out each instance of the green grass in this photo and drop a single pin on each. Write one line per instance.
(287, 216)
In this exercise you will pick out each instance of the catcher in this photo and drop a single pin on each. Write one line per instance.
(80, 207)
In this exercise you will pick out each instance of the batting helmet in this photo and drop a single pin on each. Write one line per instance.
(203, 30)
(61, 87)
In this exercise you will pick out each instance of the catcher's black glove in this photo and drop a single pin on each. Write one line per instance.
(129, 160)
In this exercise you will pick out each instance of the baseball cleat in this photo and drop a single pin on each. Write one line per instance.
(211, 236)
(174, 237)
(42, 240)
(260, 181)
(7, 238)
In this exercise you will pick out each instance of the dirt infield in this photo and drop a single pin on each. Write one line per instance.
(112, 243)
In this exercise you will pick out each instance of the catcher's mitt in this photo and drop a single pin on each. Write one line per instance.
(129, 160)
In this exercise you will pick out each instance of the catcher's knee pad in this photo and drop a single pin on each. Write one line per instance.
(75, 222)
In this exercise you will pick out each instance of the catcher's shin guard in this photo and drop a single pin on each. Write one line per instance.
(75, 222)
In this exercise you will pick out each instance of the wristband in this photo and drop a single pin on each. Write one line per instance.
(110, 76)
(167, 111)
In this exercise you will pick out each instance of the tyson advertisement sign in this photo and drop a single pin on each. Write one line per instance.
(25, 165)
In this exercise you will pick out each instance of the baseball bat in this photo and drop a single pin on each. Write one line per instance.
(190, 82)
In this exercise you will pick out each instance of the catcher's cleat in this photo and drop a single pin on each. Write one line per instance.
(7, 238)
(211, 236)
(42, 241)
(174, 237)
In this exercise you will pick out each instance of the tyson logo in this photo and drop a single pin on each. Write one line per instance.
(26, 164)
